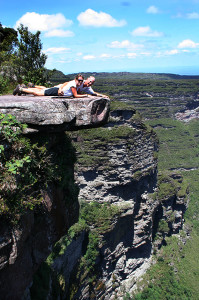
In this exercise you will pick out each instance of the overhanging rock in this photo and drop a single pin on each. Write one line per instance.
(56, 113)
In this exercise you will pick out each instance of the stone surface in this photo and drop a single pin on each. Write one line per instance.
(188, 115)
(56, 113)
(128, 180)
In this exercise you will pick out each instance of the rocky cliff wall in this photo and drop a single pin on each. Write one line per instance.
(117, 167)
(38, 196)
(127, 177)
(111, 246)
(27, 238)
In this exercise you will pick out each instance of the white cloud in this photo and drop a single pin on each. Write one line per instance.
(131, 55)
(152, 10)
(79, 54)
(55, 50)
(187, 44)
(45, 22)
(124, 44)
(101, 19)
(172, 52)
(193, 15)
(89, 57)
(59, 33)
(105, 55)
(146, 31)
(119, 56)
(146, 53)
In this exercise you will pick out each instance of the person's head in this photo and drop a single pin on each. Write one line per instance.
(79, 79)
(89, 81)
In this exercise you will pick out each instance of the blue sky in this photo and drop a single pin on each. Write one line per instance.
(112, 35)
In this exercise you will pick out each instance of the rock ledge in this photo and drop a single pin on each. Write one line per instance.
(56, 113)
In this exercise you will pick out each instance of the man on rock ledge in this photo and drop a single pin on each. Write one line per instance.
(73, 88)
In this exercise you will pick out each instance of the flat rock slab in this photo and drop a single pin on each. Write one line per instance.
(56, 113)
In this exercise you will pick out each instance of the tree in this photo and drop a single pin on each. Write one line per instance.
(30, 59)
(8, 41)
(21, 57)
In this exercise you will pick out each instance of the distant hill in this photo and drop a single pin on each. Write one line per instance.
(131, 75)
(58, 77)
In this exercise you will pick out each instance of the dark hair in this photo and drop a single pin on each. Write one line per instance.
(79, 75)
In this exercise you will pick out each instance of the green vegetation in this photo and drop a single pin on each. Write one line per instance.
(96, 219)
(21, 59)
(93, 146)
(99, 218)
(98, 215)
(27, 168)
(178, 144)
(30, 60)
(20, 177)
(166, 187)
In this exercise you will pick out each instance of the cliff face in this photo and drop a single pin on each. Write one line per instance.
(123, 165)
(26, 246)
(126, 176)
(117, 166)
(27, 240)
(35, 211)
(124, 209)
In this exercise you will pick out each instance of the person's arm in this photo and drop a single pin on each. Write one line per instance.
(99, 95)
(91, 92)
(60, 91)
(76, 95)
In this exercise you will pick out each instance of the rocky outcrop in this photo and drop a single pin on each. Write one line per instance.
(188, 115)
(125, 176)
(25, 244)
(128, 166)
(116, 164)
(52, 114)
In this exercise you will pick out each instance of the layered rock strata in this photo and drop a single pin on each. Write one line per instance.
(126, 176)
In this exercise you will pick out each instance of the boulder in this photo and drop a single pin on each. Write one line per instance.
(56, 113)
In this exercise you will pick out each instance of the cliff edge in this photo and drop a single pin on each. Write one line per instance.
(52, 114)
(38, 195)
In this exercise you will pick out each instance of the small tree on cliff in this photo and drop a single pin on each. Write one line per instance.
(30, 59)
